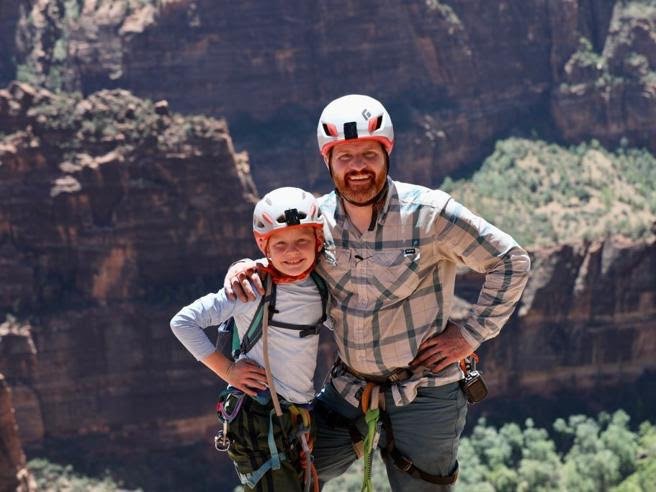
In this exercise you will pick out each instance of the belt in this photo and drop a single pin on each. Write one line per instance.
(396, 376)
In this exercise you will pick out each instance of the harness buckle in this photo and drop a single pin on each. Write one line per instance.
(403, 463)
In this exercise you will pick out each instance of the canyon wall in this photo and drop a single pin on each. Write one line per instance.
(456, 76)
(115, 213)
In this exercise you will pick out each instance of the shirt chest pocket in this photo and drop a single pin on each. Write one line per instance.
(338, 267)
(395, 273)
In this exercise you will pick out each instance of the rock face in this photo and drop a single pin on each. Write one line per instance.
(115, 213)
(9, 15)
(607, 90)
(14, 476)
(587, 321)
(456, 76)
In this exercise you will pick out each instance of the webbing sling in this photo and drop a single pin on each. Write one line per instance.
(251, 479)
(405, 464)
(254, 331)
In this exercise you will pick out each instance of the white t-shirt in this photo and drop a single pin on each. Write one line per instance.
(293, 359)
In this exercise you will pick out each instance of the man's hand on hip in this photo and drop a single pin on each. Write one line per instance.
(440, 351)
(243, 280)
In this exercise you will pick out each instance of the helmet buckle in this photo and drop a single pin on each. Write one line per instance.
(292, 217)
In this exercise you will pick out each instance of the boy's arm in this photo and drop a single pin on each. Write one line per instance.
(188, 325)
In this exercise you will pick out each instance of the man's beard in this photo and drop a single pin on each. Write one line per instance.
(360, 193)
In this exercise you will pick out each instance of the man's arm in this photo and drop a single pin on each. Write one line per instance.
(243, 280)
(467, 239)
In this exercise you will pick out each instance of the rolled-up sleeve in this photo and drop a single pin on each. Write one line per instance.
(468, 239)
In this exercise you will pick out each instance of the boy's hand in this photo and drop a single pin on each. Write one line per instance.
(241, 278)
(247, 376)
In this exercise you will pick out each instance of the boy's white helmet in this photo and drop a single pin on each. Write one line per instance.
(354, 116)
(285, 207)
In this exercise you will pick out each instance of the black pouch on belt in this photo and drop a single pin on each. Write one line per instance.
(473, 386)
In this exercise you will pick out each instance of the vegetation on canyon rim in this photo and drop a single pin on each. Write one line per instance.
(544, 194)
(579, 454)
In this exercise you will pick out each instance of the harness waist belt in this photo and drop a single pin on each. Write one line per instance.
(396, 376)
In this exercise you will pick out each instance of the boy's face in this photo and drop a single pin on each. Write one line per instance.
(292, 250)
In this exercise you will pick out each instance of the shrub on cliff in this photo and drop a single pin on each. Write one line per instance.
(582, 454)
(544, 194)
(52, 477)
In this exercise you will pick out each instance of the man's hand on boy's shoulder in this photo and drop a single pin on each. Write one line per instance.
(243, 280)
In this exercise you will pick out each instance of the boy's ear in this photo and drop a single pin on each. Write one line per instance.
(320, 239)
(261, 244)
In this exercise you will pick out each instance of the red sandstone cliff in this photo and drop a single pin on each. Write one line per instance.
(457, 76)
(14, 476)
(115, 213)
(587, 319)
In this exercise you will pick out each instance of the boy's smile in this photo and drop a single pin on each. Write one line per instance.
(292, 250)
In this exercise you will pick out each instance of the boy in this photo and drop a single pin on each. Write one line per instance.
(277, 343)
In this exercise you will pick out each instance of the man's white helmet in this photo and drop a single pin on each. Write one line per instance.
(285, 207)
(354, 117)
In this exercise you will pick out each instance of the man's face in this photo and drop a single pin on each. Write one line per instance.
(359, 169)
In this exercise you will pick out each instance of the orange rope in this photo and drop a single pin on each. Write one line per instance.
(366, 396)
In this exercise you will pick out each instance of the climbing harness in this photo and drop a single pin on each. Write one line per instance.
(372, 403)
(232, 399)
(228, 408)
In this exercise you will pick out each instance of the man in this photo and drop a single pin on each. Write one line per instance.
(390, 261)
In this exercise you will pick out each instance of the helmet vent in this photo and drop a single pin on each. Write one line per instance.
(330, 129)
(375, 123)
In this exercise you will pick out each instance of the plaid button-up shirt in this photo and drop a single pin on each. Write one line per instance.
(392, 287)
